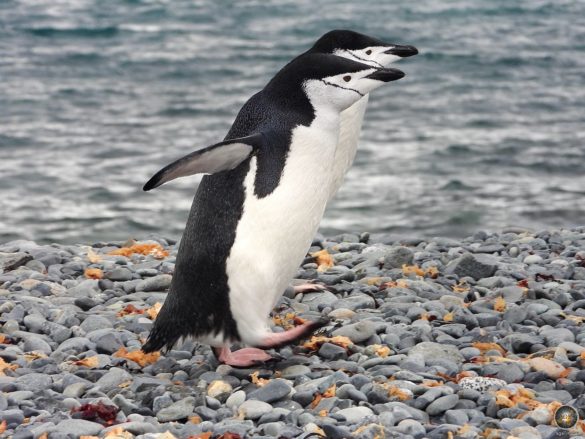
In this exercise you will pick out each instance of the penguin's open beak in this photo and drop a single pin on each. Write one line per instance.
(402, 51)
(386, 75)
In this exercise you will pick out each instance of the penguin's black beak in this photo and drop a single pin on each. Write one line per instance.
(402, 51)
(386, 75)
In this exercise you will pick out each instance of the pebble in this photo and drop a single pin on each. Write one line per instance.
(179, 410)
(79, 427)
(273, 391)
(353, 415)
(442, 404)
(253, 409)
(357, 332)
(437, 351)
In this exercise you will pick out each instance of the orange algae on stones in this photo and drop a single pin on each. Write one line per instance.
(139, 357)
(323, 260)
(316, 341)
(500, 304)
(155, 250)
(6, 366)
(94, 273)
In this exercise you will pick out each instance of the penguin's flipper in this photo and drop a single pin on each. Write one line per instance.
(222, 156)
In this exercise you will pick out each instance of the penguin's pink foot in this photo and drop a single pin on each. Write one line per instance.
(245, 357)
(308, 288)
(277, 339)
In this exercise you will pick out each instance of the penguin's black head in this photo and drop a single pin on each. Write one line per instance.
(329, 80)
(362, 48)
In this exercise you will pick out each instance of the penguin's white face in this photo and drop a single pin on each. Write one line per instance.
(343, 90)
(375, 56)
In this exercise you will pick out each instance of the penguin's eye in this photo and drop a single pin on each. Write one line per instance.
(368, 52)
(347, 78)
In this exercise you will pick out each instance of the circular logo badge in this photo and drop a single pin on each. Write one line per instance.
(566, 416)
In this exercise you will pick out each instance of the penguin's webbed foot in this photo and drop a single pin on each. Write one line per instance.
(308, 288)
(277, 339)
(245, 357)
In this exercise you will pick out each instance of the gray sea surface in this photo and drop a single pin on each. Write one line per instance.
(486, 130)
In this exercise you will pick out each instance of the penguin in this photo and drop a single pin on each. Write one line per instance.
(254, 215)
(369, 50)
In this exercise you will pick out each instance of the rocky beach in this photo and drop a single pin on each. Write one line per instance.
(437, 338)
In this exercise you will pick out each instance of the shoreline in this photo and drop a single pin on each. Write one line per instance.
(481, 335)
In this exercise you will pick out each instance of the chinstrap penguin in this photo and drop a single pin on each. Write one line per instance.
(368, 50)
(253, 219)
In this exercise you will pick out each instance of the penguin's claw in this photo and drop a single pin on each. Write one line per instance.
(245, 357)
(309, 288)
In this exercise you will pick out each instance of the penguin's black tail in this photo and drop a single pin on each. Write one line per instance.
(164, 335)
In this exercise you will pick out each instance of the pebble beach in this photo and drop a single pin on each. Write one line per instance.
(427, 338)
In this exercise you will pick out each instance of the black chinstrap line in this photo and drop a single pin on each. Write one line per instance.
(366, 60)
(343, 88)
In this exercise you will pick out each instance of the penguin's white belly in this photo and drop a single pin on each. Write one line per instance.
(275, 232)
(349, 133)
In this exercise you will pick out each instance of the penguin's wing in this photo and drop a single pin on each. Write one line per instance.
(222, 156)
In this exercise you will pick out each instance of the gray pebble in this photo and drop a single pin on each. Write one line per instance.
(179, 410)
(442, 404)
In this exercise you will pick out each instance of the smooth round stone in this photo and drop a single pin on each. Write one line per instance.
(218, 387)
(36, 344)
(95, 322)
(113, 379)
(357, 332)
(13, 417)
(442, 404)
(253, 409)
(511, 373)
(533, 259)
(79, 427)
(411, 427)
(331, 351)
(295, 371)
(236, 399)
(179, 410)
(273, 391)
(354, 415)
(437, 351)
(341, 314)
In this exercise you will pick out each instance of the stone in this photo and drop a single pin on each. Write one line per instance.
(551, 368)
(36, 344)
(555, 336)
(13, 417)
(113, 379)
(475, 266)
(295, 371)
(533, 259)
(218, 387)
(331, 351)
(95, 322)
(354, 415)
(253, 409)
(179, 410)
(121, 274)
(235, 399)
(436, 351)
(442, 404)
(11, 261)
(411, 427)
(396, 257)
(357, 332)
(275, 390)
(79, 427)
(156, 283)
